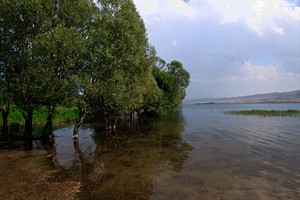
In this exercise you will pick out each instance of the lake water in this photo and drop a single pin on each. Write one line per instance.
(196, 153)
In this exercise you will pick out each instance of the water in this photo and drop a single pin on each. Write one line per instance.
(242, 157)
(197, 153)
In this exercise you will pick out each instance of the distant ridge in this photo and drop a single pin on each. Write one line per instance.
(275, 97)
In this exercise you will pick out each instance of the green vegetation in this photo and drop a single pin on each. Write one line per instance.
(172, 80)
(92, 55)
(40, 116)
(265, 113)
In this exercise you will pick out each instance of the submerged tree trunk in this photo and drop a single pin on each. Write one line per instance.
(28, 123)
(79, 122)
(110, 119)
(28, 145)
(47, 131)
(4, 121)
(5, 113)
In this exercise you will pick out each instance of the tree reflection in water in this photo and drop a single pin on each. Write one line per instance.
(126, 161)
(90, 171)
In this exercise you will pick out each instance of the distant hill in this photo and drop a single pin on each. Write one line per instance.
(284, 97)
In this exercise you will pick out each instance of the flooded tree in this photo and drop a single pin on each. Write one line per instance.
(61, 47)
(5, 101)
(93, 55)
(21, 22)
(41, 43)
(172, 79)
(119, 77)
(60, 53)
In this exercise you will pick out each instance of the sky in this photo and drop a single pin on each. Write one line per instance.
(229, 47)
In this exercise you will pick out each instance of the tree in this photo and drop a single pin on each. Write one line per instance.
(60, 53)
(41, 45)
(5, 100)
(21, 21)
(172, 79)
(95, 55)
(57, 53)
(181, 75)
(124, 77)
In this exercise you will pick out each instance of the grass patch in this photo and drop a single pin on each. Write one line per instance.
(66, 114)
(265, 113)
(40, 116)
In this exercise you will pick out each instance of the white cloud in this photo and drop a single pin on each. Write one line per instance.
(259, 72)
(230, 47)
(259, 16)
(164, 10)
(262, 73)
(174, 43)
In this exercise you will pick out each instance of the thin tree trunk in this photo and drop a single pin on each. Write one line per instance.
(82, 115)
(28, 145)
(28, 123)
(47, 131)
(4, 122)
(5, 113)
(110, 119)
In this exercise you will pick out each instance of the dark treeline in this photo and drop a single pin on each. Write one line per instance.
(95, 56)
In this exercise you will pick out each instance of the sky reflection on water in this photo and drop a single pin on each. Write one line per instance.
(198, 153)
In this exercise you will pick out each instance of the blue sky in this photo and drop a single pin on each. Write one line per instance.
(230, 47)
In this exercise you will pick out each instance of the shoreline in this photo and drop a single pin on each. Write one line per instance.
(239, 102)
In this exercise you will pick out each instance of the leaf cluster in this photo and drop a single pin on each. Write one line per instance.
(172, 80)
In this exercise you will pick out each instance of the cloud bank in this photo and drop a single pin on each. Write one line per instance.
(230, 48)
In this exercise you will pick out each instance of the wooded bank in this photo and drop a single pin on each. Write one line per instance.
(92, 56)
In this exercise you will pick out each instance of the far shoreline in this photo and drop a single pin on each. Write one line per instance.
(239, 102)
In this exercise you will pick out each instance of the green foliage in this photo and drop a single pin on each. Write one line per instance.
(41, 43)
(95, 56)
(57, 53)
(40, 115)
(123, 60)
(65, 114)
(172, 79)
(15, 116)
(265, 113)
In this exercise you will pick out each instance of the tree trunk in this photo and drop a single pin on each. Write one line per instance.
(4, 122)
(110, 119)
(28, 145)
(5, 112)
(49, 123)
(82, 115)
(28, 123)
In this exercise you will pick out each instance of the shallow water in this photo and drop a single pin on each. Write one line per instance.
(242, 157)
(197, 153)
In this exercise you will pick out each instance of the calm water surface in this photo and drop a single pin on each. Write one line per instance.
(197, 153)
